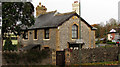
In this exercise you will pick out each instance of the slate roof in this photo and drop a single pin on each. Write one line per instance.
(53, 20)
(117, 30)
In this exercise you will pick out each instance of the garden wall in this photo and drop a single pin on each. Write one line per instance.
(94, 55)
(27, 57)
(99, 54)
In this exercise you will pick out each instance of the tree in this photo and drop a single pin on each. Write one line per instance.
(15, 15)
(102, 29)
(97, 32)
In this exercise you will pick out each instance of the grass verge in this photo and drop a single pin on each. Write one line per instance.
(102, 63)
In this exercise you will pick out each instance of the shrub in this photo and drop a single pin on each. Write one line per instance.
(11, 57)
(97, 42)
(8, 45)
(111, 43)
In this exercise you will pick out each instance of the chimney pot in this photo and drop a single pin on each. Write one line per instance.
(75, 1)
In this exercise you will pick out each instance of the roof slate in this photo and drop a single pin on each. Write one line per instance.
(53, 19)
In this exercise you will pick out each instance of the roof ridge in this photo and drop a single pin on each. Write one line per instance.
(47, 12)
(66, 13)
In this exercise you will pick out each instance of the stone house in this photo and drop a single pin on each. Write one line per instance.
(58, 31)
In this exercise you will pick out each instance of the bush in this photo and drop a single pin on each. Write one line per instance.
(8, 44)
(11, 57)
(111, 43)
(97, 42)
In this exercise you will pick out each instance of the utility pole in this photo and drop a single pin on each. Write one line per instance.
(79, 33)
(1, 34)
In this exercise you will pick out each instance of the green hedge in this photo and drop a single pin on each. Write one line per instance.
(8, 45)
(111, 43)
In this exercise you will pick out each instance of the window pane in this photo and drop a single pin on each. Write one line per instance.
(35, 34)
(72, 36)
(74, 31)
(46, 33)
(75, 36)
(75, 28)
(25, 35)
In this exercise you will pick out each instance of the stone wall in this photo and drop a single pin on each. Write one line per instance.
(72, 56)
(51, 42)
(85, 34)
(94, 55)
(93, 39)
(21, 58)
(65, 33)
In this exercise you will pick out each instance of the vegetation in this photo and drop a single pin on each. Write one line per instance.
(111, 43)
(103, 29)
(107, 46)
(102, 63)
(15, 15)
(97, 42)
(9, 46)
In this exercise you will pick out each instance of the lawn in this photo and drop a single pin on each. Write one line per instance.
(102, 63)
(14, 42)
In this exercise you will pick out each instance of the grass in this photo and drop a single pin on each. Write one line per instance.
(102, 63)
(106, 46)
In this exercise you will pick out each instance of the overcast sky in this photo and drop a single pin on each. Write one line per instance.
(93, 11)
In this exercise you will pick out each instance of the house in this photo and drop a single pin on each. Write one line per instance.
(58, 31)
(114, 35)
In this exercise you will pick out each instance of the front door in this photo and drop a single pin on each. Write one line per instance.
(60, 58)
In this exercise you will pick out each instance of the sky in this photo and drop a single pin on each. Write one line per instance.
(93, 11)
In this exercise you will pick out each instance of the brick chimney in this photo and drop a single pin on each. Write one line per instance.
(40, 9)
